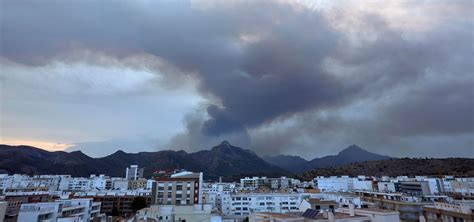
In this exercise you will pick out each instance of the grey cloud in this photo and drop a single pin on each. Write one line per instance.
(257, 67)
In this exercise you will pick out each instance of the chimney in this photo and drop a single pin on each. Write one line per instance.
(351, 210)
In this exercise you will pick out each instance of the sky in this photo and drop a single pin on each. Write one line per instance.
(304, 78)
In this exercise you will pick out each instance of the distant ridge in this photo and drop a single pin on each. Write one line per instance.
(462, 167)
(351, 154)
(227, 161)
(222, 160)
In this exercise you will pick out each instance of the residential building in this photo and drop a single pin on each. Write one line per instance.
(120, 184)
(184, 188)
(410, 208)
(416, 188)
(172, 213)
(333, 184)
(14, 202)
(253, 183)
(375, 214)
(318, 204)
(386, 186)
(244, 203)
(139, 184)
(133, 172)
(307, 216)
(121, 204)
(460, 211)
(78, 210)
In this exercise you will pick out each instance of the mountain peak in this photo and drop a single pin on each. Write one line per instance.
(225, 146)
(225, 143)
(352, 149)
(119, 152)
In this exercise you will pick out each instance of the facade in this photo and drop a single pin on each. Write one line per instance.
(139, 184)
(333, 184)
(253, 183)
(122, 205)
(77, 210)
(182, 213)
(375, 214)
(462, 211)
(3, 209)
(120, 184)
(14, 202)
(219, 196)
(409, 208)
(386, 186)
(184, 188)
(245, 203)
(133, 173)
(416, 188)
(362, 184)
(318, 204)
(315, 217)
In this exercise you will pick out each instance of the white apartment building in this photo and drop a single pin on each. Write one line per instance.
(64, 182)
(253, 183)
(133, 172)
(375, 214)
(334, 184)
(100, 182)
(358, 184)
(457, 211)
(79, 183)
(344, 199)
(244, 203)
(344, 183)
(219, 196)
(6, 181)
(119, 184)
(77, 210)
(387, 187)
(172, 213)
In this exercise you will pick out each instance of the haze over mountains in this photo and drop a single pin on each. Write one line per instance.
(223, 160)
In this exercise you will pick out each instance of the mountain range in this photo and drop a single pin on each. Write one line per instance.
(351, 154)
(223, 160)
(460, 167)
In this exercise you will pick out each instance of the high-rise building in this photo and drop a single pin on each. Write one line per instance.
(133, 172)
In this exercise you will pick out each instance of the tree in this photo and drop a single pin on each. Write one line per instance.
(138, 203)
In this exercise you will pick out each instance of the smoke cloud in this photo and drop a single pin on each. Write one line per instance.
(278, 77)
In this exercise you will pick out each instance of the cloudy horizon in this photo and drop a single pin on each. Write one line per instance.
(305, 78)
